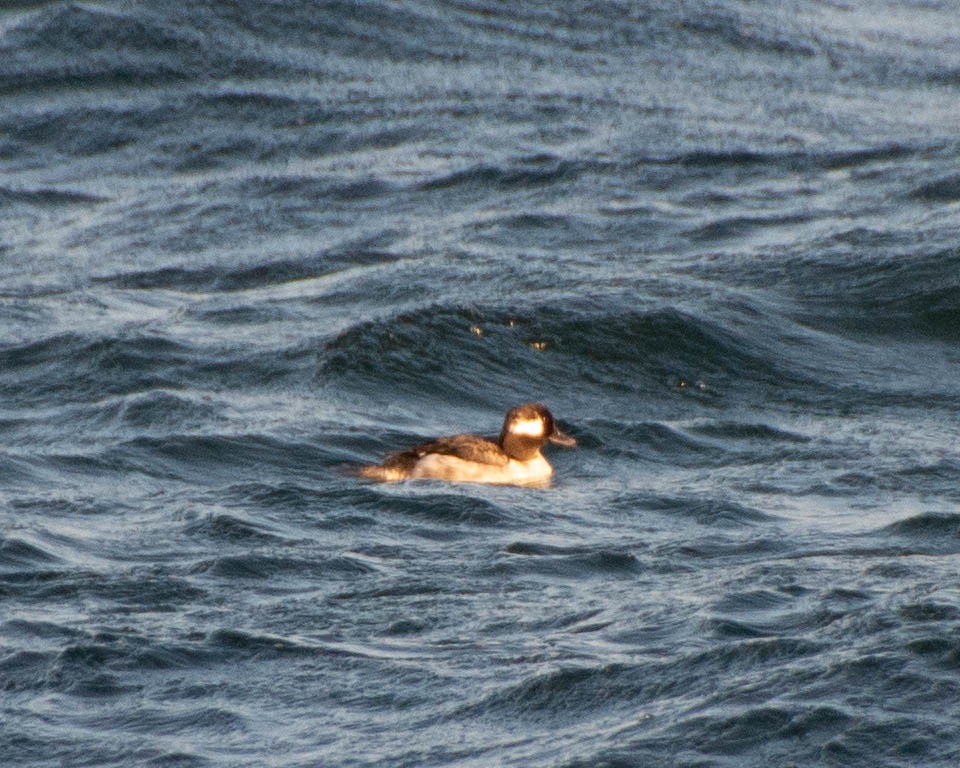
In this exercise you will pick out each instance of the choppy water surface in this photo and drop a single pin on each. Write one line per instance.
(244, 246)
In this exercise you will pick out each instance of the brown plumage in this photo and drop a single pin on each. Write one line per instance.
(513, 458)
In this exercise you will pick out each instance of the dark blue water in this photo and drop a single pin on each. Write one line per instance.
(244, 246)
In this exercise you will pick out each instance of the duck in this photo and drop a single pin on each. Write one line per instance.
(514, 458)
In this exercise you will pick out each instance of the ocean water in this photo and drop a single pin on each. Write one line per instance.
(245, 247)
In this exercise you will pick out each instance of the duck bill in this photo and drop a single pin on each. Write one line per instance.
(562, 438)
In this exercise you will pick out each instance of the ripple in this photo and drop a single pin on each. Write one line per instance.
(928, 532)
(48, 197)
(945, 189)
(24, 671)
(172, 721)
(535, 172)
(289, 572)
(561, 693)
(193, 456)
(89, 670)
(940, 650)
(242, 644)
(532, 558)
(161, 409)
(228, 528)
(79, 368)
(439, 508)
(250, 277)
(18, 553)
(751, 432)
(929, 611)
(719, 547)
(720, 513)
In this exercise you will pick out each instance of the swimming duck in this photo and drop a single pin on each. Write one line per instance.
(514, 458)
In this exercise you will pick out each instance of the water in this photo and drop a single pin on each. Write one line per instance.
(246, 246)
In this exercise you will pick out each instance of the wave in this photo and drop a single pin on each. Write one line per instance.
(679, 169)
(896, 291)
(285, 573)
(936, 477)
(18, 553)
(58, 47)
(76, 367)
(749, 432)
(792, 160)
(458, 353)
(226, 529)
(739, 226)
(48, 197)
(945, 189)
(928, 532)
(263, 274)
(249, 244)
(208, 455)
(528, 172)
(72, 45)
(148, 368)
(718, 513)
(629, 687)
(445, 509)
(530, 558)
(561, 692)
(733, 31)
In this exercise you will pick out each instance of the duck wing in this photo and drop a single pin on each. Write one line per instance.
(467, 447)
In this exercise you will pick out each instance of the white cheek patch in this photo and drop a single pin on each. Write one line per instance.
(527, 427)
